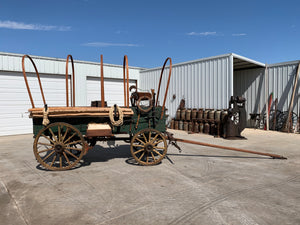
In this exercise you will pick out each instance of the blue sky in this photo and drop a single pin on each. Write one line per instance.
(150, 31)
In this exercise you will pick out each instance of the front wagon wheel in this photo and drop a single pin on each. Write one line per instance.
(148, 147)
(59, 146)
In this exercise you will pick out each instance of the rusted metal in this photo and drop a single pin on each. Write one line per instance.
(102, 82)
(274, 156)
(194, 114)
(177, 114)
(26, 82)
(200, 114)
(182, 114)
(168, 83)
(73, 82)
(188, 114)
(126, 87)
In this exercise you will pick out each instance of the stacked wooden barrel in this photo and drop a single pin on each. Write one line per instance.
(208, 121)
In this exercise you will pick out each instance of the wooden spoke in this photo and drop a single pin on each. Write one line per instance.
(135, 145)
(138, 151)
(70, 138)
(53, 161)
(142, 155)
(159, 141)
(47, 138)
(74, 142)
(51, 153)
(72, 148)
(63, 138)
(140, 141)
(60, 161)
(46, 150)
(71, 154)
(59, 132)
(144, 137)
(65, 155)
(53, 135)
(153, 156)
(40, 143)
(157, 153)
(152, 141)
(59, 137)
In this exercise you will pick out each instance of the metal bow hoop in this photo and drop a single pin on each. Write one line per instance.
(26, 82)
(166, 93)
(126, 88)
(102, 81)
(73, 82)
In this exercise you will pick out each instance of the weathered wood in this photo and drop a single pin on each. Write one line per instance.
(77, 111)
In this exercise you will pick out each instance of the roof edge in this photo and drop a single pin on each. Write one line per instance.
(284, 63)
(248, 60)
(64, 60)
(190, 62)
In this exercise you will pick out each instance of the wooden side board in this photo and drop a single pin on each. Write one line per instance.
(77, 111)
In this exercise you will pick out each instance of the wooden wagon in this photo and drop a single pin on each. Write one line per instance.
(63, 135)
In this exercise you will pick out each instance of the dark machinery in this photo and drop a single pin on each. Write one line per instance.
(236, 120)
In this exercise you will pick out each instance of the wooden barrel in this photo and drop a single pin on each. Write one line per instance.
(186, 126)
(188, 113)
(194, 114)
(176, 125)
(178, 114)
(182, 114)
(200, 114)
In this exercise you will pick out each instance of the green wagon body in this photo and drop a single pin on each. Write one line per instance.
(129, 125)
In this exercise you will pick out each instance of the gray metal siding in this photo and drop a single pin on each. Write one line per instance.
(251, 85)
(281, 83)
(280, 79)
(203, 84)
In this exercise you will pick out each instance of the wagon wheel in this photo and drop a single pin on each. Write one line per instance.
(148, 147)
(59, 146)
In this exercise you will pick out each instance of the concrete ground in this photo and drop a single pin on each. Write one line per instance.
(203, 185)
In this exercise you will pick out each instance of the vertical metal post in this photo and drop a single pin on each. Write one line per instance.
(102, 83)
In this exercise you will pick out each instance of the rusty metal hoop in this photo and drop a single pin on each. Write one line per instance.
(26, 82)
(126, 88)
(59, 146)
(73, 82)
(166, 93)
(102, 82)
(138, 103)
(145, 147)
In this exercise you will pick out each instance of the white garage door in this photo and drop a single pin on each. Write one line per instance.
(14, 99)
(113, 90)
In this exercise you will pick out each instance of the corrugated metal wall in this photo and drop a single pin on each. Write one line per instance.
(203, 83)
(251, 85)
(280, 79)
(281, 82)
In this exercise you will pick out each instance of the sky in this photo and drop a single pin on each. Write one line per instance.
(150, 31)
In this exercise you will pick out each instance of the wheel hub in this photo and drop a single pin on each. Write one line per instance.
(149, 148)
(59, 148)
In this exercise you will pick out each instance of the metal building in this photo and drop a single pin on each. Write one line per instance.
(14, 100)
(205, 83)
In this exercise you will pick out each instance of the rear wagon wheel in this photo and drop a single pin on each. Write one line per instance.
(59, 146)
